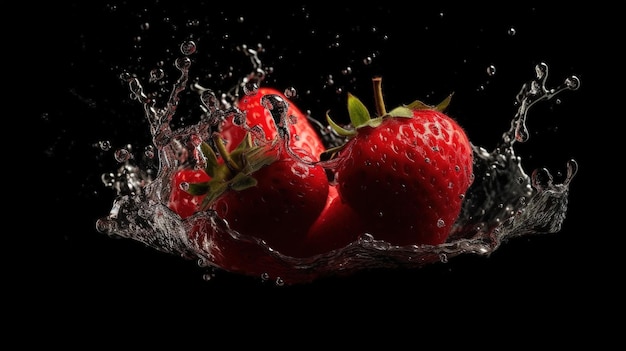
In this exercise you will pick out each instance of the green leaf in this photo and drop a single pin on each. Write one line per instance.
(242, 181)
(359, 115)
(339, 129)
(444, 104)
(198, 188)
(211, 159)
(401, 111)
(418, 105)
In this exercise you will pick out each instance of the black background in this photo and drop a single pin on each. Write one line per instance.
(566, 278)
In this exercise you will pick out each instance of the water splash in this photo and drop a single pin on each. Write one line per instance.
(503, 201)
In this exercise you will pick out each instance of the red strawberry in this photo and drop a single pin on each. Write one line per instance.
(264, 191)
(337, 226)
(302, 133)
(405, 172)
(287, 198)
(182, 202)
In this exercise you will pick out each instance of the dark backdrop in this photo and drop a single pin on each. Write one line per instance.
(422, 53)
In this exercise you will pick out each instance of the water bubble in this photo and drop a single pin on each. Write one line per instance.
(441, 223)
(188, 47)
(290, 92)
(491, 70)
(572, 83)
(366, 238)
(511, 31)
(122, 155)
(183, 63)
(250, 88)
(149, 151)
(210, 100)
(329, 80)
(156, 75)
(105, 145)
(108, 179)
(443, 257)
(193, 23)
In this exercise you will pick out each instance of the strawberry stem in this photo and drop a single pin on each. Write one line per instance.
(378, 96)
(225, 154)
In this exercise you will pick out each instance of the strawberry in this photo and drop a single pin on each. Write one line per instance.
(287, 198)
(302, 133)
(265, 191)
(337, 226)
(404, 172)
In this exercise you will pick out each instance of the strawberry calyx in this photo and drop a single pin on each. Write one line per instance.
(360, 116)
(232, 170)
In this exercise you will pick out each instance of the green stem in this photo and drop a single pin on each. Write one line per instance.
(225, 154)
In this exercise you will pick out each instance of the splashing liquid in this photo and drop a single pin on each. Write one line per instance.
(503, 201)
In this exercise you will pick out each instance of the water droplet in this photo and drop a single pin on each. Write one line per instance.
(149, 151)
(183, 63)
(511, 31)
(441, 223)
(572, 83)
(209, 100)
(188, 47)
(329, 80)
(105, 145)
(491, 70)
(250, 88)
(290, 92)
(156, 75)
(122, 155)
(443, 257)
(366, 238)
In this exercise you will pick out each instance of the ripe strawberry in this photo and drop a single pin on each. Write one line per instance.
(180, 201)
(405, 172)
(264, 191)
(302, 133)
(287, 198)
(337, 226)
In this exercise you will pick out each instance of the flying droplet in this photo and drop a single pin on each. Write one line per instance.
(105, 145)
(491, 70)
(290, 92)
(250, 88)
(188, 47)
(149, 151)
(156, 75)
(122, 155)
